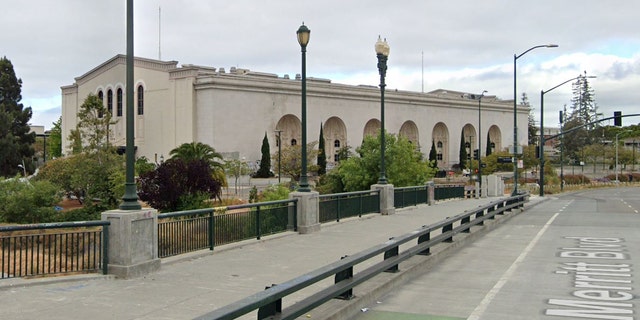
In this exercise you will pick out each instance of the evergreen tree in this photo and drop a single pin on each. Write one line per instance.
(433, 155)
(54, 142)
(15, 140)
(488, 149)
(532, 129)
(463, 153)
(322, 155)
(265, 162)
(583, 110)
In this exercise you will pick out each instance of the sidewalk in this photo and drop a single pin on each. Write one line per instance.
(190, 285)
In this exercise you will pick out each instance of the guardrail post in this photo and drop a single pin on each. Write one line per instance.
(424, 238)
(345, 275)
(448, 228)
(390, 254)
(479, 215)
(465, 221)
(270, 310)
(500, 206)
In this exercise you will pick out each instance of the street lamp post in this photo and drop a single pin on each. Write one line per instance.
(130, 198)
(382, 52)
(480, 143)
(562, 113)
(542, 141)
(303, 34)
(515, 114)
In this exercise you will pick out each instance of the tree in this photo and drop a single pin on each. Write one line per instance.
(188, 152)
(54, 141)
(15, 140)
(433, 155)
(405, 165)
(265, 161)
(322, 155)
(488, 149)
(28, 201)
(583, 111)
(236, 169)
(92, 130)
(532, 130)
(179, 185)
(291, 160)
(462, 154)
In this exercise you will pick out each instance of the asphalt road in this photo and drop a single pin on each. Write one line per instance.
(575, 256)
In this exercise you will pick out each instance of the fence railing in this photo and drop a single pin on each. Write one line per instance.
(410, 196)
(191, 230)
(269, 301)
(336, 206)
(443, 192)
(54, 248)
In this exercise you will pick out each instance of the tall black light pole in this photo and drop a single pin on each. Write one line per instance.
(562, 113)
(480, 142)
(303, 39)
(542, 93)
(515, 115)
(382, 52)
(130, 198)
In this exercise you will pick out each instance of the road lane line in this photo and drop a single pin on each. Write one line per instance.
(482, 307)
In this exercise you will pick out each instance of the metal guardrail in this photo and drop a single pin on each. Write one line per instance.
(269, 302)
(26, 250)
(335, 206)
(191, 230)
(410, 196)
(443, 192)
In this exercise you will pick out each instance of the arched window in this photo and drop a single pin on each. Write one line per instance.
(101, 98)
(439, 144)
(140, 100)
(110, 101)
(294, 142)
(336, 143)
(336, 157)
(119, 102)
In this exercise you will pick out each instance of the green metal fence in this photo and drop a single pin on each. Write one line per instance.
(53, 248)
(443, 192)
(334, 207)
(187, 231)
(410, 196)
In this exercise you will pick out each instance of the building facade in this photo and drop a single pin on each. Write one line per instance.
(232, 111)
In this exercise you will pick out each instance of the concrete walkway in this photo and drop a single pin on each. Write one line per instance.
(195, 284)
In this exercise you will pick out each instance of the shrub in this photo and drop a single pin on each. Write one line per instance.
(25, 201)
(576, 179)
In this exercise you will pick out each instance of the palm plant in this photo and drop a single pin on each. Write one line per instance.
(198, 151)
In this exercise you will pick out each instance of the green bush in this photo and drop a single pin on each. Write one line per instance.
(275, 192)
(25, 201)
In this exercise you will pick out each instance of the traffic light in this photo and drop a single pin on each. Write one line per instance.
(475, 154)
(617, 118)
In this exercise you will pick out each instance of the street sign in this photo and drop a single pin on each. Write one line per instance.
(504, 160)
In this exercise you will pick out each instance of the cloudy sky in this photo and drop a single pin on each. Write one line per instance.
(461, 45)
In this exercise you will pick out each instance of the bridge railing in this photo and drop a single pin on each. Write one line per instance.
(410, 196)
(191, 230)
(54, 248)
(269, 302)
(336, 206)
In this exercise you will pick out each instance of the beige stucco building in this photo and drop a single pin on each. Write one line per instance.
(232, 110)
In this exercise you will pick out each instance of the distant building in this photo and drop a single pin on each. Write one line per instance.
(231, 111)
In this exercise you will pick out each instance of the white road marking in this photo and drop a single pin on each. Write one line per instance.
(482, 307)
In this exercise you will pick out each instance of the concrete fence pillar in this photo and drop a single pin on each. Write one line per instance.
(387, 204)
(431, 193)
(133, 242)
(308, 215)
